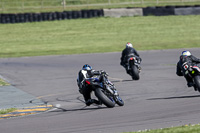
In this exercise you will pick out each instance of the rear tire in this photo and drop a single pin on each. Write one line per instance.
(197, 82)
(135, 73)
(104, 99)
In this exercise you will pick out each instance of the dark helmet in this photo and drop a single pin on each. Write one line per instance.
(86, 67)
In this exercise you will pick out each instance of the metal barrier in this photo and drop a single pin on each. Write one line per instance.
(37, 17)
(50, 16)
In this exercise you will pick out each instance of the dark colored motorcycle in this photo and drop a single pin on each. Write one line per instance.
(133, 68)
(194, 73)
(104, 90)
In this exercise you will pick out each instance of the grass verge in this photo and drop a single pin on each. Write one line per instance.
(3, 82)
(5, 111)
(181, 129)
(22, 6)
(99, 35)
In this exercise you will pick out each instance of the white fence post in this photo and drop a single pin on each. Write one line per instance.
(64, 4)
(42, 4)
(87, 4)
(1, 5)
(109, 2)
(23, 5)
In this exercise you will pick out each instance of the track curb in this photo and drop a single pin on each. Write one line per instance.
(27, 111)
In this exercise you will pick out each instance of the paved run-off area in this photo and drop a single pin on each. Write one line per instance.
(12, 97)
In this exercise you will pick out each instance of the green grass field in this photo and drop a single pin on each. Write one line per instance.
(99, 35)
(5, 111)
(3, 82)
(16, 6)
(181, 129)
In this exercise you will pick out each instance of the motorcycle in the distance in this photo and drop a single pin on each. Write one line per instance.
(133, 67)
(194, 73)
(104, 90)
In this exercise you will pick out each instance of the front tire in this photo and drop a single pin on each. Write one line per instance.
(110, 103)
(197, 82)
(119, 101)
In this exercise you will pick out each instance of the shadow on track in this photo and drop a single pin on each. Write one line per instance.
(125, 80)
(77, 109)
(95, 107)
(179, 97)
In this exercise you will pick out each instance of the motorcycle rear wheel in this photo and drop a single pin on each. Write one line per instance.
(197, 82)
(110, 103)
(135, 73)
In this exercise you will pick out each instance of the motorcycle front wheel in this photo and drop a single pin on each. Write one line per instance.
(197, 82)
(108, 101)
(119, 101)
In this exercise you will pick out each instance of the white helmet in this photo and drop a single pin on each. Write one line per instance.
(186, 53)
(129, 45)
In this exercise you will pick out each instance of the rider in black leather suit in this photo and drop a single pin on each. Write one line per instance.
(128, 52)
(186, 56)
(87, 72)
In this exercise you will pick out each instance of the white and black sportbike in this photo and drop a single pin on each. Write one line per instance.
(194, 73)
(104, 90)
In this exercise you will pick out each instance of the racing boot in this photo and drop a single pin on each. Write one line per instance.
(195, 88)
(139, 68)
(91, 101)
(190, 84)
(127, 70)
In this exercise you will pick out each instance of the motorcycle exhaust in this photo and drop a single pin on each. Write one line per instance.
(113, 92)
(109, 89)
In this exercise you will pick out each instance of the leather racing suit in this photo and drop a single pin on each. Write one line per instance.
(82, 75)
(180, 71)
(127, 53)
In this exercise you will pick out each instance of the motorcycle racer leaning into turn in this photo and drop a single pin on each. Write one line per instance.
(126, 53)
(88, 72)
(186, 56)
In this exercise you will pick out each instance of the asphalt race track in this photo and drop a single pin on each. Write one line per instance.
(159, 99)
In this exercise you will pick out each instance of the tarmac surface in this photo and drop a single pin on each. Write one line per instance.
(159, 99)
(12, 97)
